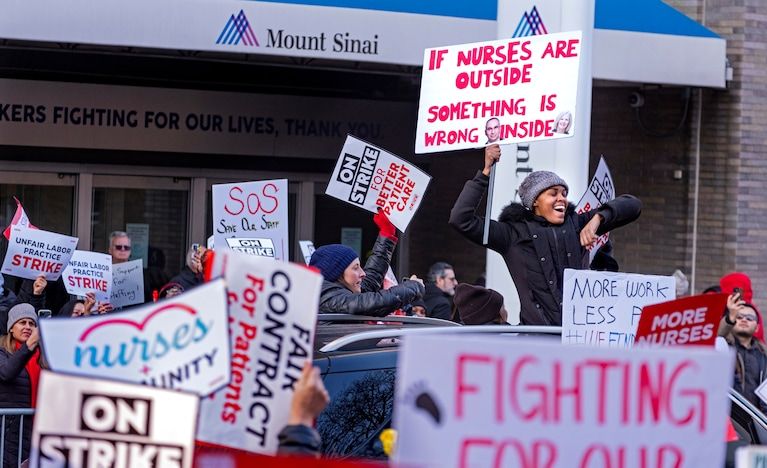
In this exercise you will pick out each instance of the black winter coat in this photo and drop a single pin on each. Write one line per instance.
(15, 392)
(537, 252)
(335, 298)
(438, 304)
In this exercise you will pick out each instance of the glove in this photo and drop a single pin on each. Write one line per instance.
(385, 227)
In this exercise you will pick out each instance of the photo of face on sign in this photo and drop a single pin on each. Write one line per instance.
(563, 123)
(493, 130)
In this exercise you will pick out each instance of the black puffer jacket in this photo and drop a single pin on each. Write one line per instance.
(535, 251)
(15, 392)
(335, 298)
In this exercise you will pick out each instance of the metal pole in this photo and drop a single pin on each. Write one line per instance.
(489, 209)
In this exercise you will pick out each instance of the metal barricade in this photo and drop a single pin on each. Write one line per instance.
(4, 414)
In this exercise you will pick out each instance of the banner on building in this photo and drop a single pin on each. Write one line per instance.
(692, 320)
(252, 210)
(127, 284)
(495, 401)
(504, 91)
(373, 179)
(90, 422)
(34, 252)
(600, 191)
(273, 311)
(89, 272)
(601, 308)
(180, 343)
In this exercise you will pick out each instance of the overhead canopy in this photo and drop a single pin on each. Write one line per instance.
(647, 41)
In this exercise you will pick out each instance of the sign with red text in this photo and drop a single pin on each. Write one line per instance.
(180, 343)
(601, 308)
(89, 272)
(127, 283)
(511, 401)
(692, 320)
(600, 191)
(373, 179)
(504, 91)
(90, 422)
(273, 311)
(34, 252)
(252, 210)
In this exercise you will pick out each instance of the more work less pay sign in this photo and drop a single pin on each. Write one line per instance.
(525, 403)
(503, 91)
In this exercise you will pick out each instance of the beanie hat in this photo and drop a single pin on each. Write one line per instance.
(729, 282)
(535, 183)
(477, 305)
(20, 311)
(332, 260)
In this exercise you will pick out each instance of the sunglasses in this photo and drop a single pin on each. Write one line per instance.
(122, 247)
(747, 318)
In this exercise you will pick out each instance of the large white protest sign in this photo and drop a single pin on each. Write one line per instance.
(273, 311)
(89, 422)
(504, 91)
(510, 401)
(89, 272)
(180, 343)
(127, 283)
(601, 308)
(374, 179)
(252, 210)
(34, 252)
(600, 191)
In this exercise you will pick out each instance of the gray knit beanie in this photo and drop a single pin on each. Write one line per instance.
(20, 311)
(535, 183)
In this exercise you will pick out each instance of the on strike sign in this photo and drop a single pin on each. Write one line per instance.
(688, 321)
(32, 252)
(372, 178)
(273, 311)
(90, 422)
(503, 91)
(496, 401)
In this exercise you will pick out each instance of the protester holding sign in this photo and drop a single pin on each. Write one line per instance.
(349, 289)
(751, 354)
(540, 237)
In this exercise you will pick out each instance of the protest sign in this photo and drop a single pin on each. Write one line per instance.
(601, 190)
(511, 401)
(127, 284)
(690, 320)
(307, 249)
(19, 219)
(273, 311)
(504, 91)
(90, 422)
(252, 210)
(251, 246)
(601, 308)
(752, 456)
(34, 252)
(179, 343)
(374, 179)
(89, 271)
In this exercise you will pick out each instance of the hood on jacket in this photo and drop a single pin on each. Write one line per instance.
(515, 212)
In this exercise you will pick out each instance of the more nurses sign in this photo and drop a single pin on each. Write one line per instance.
(504, 91)
(495, 401)
(374, 179)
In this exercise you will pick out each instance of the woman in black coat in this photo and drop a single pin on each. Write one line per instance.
(540, 237)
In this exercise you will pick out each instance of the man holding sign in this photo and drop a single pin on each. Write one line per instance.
(540, 237)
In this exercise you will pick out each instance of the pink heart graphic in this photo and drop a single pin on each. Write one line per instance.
(138, 326)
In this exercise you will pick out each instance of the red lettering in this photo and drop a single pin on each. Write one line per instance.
(462, 387)
(468, 444)
(234, 199)
(271, 196)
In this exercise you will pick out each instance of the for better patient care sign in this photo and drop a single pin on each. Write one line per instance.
(519, 89)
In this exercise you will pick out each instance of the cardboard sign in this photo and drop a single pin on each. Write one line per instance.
(690, 320)
(90, 422)
(372, 178)
(179, 343)
(601, 308)
(601, 190)
(273, 311)
(511, 401)
(89, 272)
(127, 284)
(252, 210)
(34, 252)
(504, 91)
(307, 249)
(252, 246)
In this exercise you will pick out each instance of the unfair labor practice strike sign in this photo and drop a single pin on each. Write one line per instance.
(89, 422)
(601, 308)
(180, 343)
(503, 91)
(372, 178)
(600, 191)
(496, 401)
(89, 272)
(34, 252)
(273, 311)
(252, 210)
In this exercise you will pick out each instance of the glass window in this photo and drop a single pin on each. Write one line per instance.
(332, 215)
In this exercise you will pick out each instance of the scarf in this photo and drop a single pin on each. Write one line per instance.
(33, 368)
